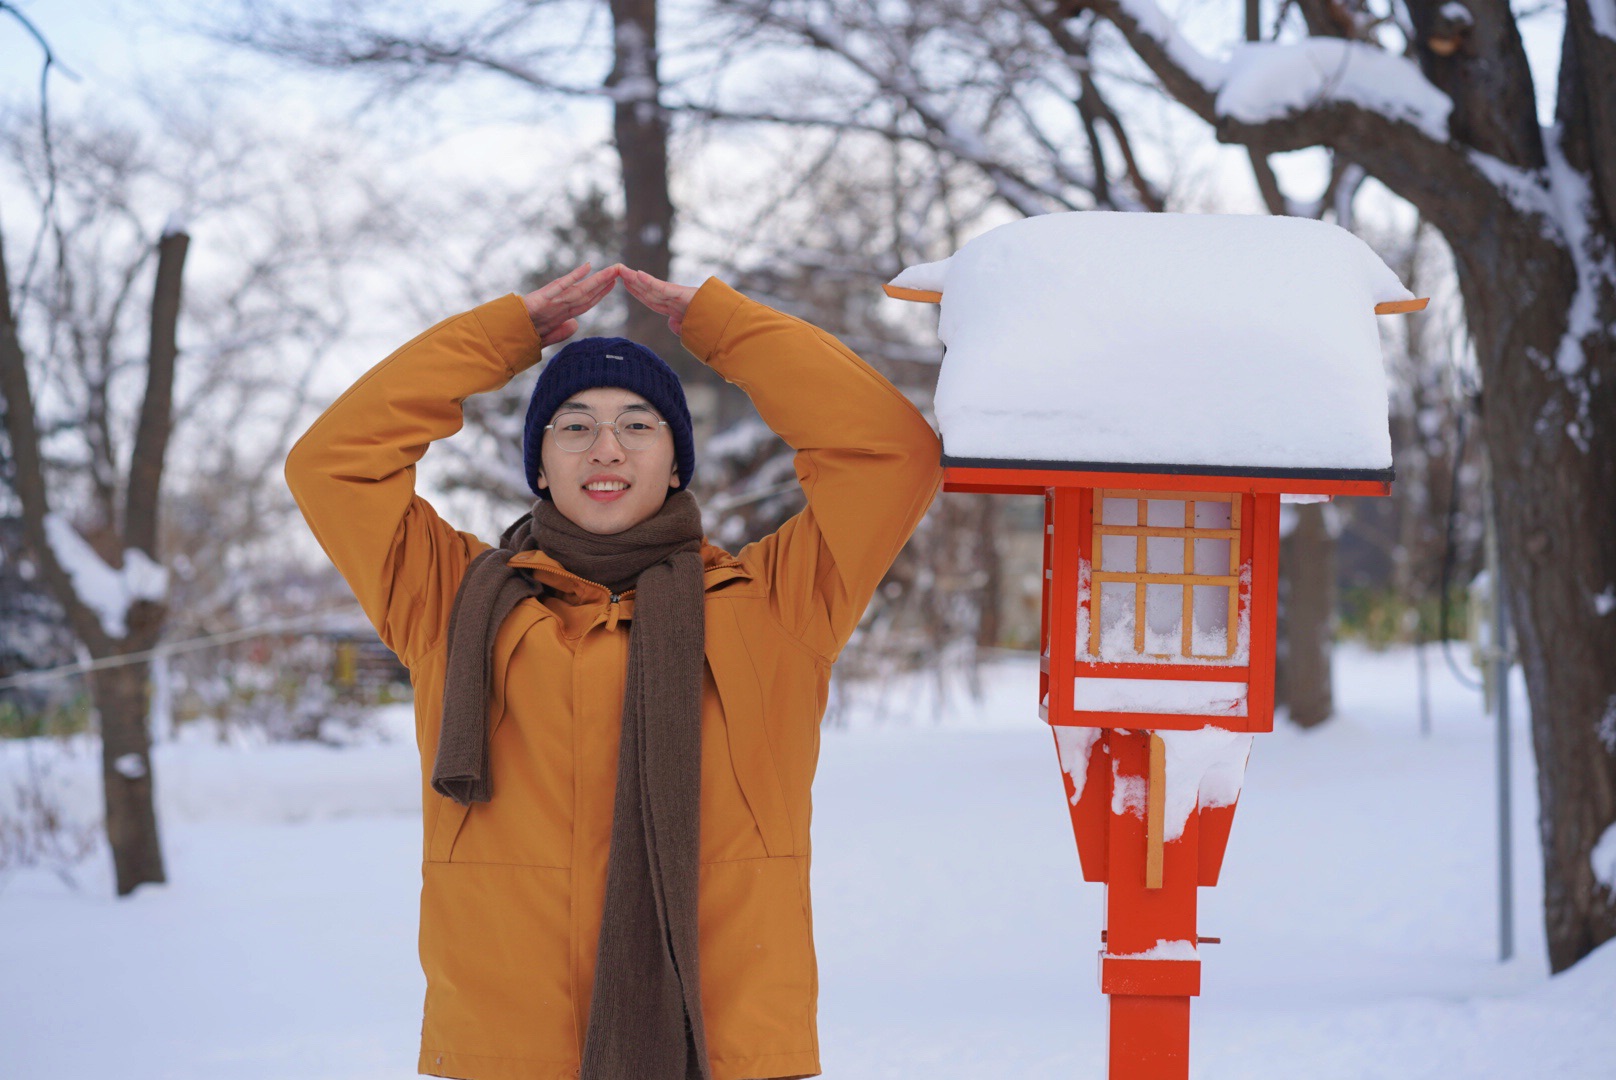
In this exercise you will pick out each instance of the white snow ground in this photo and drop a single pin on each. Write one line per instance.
(956, 938)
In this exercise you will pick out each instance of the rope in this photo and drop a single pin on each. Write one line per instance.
(169, 648)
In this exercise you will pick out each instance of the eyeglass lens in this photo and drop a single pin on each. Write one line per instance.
(576, 431)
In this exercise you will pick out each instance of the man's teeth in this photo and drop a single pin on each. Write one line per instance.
(606, 485)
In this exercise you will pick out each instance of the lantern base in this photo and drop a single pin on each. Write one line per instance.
(1149, 1038)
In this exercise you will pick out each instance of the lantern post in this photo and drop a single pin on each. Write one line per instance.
(1152, 794)
(1157, 643)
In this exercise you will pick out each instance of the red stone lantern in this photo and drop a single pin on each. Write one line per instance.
(1159, 576)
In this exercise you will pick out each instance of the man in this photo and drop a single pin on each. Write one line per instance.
(618, 721)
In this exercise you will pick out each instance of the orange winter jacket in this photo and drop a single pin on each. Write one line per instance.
(513, 889)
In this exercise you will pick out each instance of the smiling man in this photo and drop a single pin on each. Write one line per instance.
(605, 455)
(618, 720)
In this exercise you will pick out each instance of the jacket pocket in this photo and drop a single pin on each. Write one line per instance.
(735, 675)
(759, 978)
(495, 948)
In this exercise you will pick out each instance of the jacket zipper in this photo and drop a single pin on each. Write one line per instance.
(612, 612)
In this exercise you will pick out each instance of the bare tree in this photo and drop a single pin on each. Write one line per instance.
(108, 416)
(105, 630)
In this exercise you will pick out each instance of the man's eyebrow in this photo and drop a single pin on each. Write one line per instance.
(585, 408)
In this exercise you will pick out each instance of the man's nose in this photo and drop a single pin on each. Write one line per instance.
(606, 447)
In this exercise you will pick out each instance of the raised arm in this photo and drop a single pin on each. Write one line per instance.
(868, 462)
(353, 472)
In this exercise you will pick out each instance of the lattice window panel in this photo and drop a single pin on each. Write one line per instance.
(1204, 545)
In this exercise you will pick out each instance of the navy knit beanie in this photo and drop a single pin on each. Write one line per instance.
(585, 363)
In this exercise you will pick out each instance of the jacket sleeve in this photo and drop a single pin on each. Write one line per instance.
(868, 461)
(353, 472)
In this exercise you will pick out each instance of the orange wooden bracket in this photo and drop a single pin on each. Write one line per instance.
(1154, 800)
(1402, 307)
(924, 296)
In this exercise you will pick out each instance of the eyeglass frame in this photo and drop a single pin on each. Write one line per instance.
(593, 439)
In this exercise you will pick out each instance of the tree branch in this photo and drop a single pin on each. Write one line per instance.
(1471, 50)
(1093, 108)
(141, 496)
(1268, 184)
(1012, 185)
(23, 432)
(1586, 103)
(1437, 178)
(1192, 79)
(333, 47)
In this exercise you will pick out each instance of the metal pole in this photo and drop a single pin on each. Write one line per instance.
(1500, 657)
(1424, 686)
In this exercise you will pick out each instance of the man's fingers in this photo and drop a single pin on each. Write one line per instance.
(581, 299)
(576, 305)
(562, 283)
(648, 296)
(579, 287)
(560, 333)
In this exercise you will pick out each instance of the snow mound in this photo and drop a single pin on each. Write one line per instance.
(1201, 340)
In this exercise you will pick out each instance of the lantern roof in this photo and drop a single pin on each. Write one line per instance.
(1216, 344)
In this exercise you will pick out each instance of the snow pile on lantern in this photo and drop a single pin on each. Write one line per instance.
(1207, 341)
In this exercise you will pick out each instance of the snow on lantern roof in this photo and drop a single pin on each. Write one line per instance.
(1191, 343)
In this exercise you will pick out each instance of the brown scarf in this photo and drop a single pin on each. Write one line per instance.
(645, 1019)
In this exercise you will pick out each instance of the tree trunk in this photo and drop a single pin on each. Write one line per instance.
(126, 775)
(640, 131)
(1554, 480)
(1307, 561)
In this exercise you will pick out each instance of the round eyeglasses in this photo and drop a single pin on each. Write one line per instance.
(575, 432)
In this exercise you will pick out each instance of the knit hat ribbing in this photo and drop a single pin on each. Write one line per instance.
(589, 362)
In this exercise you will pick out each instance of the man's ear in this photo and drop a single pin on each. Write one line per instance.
(538, 478)
(673, 477)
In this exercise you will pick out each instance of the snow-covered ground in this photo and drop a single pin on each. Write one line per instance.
(956, 938)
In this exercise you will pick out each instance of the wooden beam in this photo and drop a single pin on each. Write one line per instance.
(924, 296)
(1154, 807)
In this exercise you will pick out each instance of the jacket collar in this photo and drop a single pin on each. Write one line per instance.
(718, 566)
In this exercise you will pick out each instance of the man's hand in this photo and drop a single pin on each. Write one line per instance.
(658, 295)
(554, 307)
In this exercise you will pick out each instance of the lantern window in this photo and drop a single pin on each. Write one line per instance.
(1166, 575)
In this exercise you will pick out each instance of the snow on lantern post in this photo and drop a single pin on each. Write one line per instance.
(1164, 382)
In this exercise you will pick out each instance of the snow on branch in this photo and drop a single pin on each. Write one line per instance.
(1269, 81)
(1266, 81)
(1562, 199)
(106, 591)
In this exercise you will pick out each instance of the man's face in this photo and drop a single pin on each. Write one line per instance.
(589, 487)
